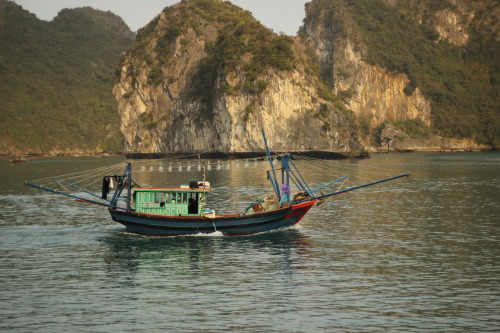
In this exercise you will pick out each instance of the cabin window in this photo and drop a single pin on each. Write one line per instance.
(160, 198)
(181, 198)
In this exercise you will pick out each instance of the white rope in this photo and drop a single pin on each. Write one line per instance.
(80, 173)
(82, 179)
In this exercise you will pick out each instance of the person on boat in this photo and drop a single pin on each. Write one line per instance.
(192, 206)
(285, 191)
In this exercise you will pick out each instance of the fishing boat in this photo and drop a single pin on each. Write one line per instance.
(18, 159)
(184, 210)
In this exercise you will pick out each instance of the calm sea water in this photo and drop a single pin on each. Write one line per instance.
(414, 255)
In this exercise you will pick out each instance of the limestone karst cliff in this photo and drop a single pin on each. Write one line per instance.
(205, 75)
(373, 92)
(419, 64)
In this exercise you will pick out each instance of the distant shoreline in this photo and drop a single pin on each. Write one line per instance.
(451, 150)
(230, 156)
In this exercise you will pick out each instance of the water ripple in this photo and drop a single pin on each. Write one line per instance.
(417, 255)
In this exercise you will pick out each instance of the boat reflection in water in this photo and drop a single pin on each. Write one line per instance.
(134, 259)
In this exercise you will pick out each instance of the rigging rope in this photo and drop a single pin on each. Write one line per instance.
(83, 179)
(315, 170)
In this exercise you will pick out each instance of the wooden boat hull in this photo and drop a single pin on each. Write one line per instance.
(158, 225)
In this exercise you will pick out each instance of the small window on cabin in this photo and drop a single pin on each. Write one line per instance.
(159, 197)
(173, 198)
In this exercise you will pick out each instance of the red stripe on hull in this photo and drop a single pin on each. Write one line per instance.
(301, 209)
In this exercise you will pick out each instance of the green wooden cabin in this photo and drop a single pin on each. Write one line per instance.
(184, 201)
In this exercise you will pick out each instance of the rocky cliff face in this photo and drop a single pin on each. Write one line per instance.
(205, 76)
(196, 81)
(371, 92)
(375, 94)
(454, 20)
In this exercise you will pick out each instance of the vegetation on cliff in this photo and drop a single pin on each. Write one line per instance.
(241, 44)
(206, 74)
(56, 77)
(461, 81)
(56, 80)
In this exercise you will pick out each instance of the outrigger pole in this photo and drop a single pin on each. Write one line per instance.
(125, 181)
(72, 196)
(78, 188)
(356, 187)
(330, 183)
(303, 184)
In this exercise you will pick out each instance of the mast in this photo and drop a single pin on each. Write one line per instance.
(125, 181)
(129, 185)
(273, 180)
(285, 178)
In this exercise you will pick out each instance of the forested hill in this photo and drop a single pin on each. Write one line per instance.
(56, 80)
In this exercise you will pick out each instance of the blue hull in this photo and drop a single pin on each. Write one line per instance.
(157, 225)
